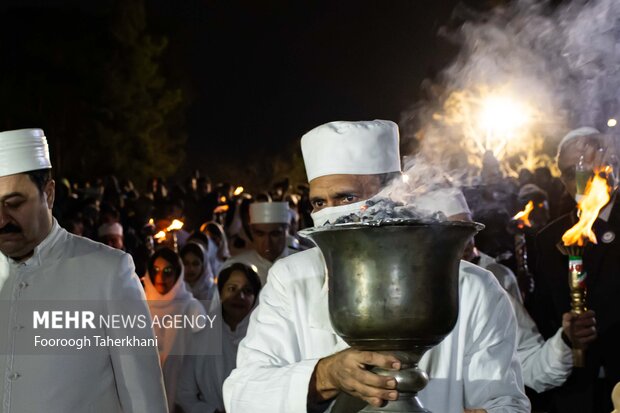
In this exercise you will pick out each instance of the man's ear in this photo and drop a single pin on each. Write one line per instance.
(50, 193)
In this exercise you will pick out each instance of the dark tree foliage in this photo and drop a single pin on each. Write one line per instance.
(94, 84)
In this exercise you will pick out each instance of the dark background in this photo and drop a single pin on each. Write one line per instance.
(160, 87)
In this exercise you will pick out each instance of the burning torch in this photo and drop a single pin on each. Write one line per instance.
(574, 241)
(172, 229)
(518, 224)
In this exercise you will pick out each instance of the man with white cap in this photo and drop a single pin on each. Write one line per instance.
(269, 223)
(111, 234)
(545, 364)
(41, 263)
(580, 152)
(292, 361)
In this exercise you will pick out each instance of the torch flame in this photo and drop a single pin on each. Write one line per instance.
(151, 221)
(597, 195)
(161, 235)
(220, 209)
(175, 226)
(523, 217)
(238, 191)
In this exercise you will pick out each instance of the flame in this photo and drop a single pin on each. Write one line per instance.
(498, 119)
(222, 199)
(151, 221)
(238, 191)
(175, 226)
(160, 236)
(221, 209)
(523, 217)
(597, 195)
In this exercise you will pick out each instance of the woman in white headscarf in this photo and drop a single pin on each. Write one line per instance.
(218, 245)
(168, 295)
(198, 273)
(200, 385)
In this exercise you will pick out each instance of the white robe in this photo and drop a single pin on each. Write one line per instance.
(253, 259)
(66, 267)
(474, 367)
(202, 378)
(173, 344)
(545, 364)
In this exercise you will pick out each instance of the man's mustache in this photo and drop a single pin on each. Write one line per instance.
(10, 229)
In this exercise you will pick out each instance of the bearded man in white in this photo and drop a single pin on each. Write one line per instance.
(292, 361)
(41, 262)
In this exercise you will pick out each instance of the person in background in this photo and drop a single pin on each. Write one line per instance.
(112, 235)
(587, 389)
(198, 274)
(269, 226)
(168, 295)
(218, 251)
(545, 364)
(200, 386)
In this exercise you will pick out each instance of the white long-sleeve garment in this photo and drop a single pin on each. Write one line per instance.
(173, 343)
(66, 268)
(202, 378)
(545, 364)
(254, 260)
(474, 367)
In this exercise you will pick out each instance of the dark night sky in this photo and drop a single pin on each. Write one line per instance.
(263, 73)
(258, 74)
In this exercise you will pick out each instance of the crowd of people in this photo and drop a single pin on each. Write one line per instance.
(240, 254)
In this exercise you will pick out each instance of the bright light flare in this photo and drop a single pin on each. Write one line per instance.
(597, 195)
(238, 191)
(612, 123)
(160, 236)
(175, 226)
(501, 119)
(523, 217)
(503, 115)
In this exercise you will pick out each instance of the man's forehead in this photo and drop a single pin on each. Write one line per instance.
(336, 183)
(16, 184)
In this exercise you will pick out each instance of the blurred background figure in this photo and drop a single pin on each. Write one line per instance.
(269, 223)
(200, 386)
(111, 234)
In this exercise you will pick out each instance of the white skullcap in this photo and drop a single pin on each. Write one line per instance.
(269, 213)
(23, 150)
(577, 133)
(351, 148)
(450, 201)
(110, 229)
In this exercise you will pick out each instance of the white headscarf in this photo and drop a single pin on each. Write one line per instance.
(172, 344)
(204, 287)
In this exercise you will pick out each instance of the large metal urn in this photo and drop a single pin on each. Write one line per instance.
(393, 287)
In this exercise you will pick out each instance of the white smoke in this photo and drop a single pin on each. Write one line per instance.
(562, 61)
